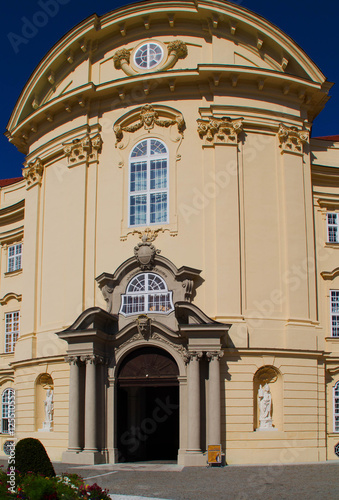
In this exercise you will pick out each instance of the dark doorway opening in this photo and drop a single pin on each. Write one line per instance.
(148, 407)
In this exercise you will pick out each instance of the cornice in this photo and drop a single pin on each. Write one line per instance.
(204, 79)
(10, 296)
(213, 16)
(12, 213)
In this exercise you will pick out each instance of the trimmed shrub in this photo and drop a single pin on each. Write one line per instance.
(31, 456)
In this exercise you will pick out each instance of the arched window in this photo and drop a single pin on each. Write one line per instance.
(148, 183)
(145, 293)
(336, 407)
(7, 412)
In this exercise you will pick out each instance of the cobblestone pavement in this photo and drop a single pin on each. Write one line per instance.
(171, 482)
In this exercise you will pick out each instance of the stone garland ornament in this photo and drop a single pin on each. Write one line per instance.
(220, 130)
(292, 139)
(148, 118)
(177, 49)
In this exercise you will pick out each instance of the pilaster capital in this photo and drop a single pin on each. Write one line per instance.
(292, 139)
(214, 355)
(33, 172)
(85, 149)
(220, 130)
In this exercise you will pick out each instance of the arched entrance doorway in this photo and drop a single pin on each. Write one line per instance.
(148, 406)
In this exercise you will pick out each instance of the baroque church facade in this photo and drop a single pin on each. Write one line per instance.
(169, 259)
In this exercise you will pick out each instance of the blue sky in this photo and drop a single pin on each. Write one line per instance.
(312, 24)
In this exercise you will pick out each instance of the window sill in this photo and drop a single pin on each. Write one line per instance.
(332, 339)
(13, 273)
(331, 244)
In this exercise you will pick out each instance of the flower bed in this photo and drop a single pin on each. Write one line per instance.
(37, 487)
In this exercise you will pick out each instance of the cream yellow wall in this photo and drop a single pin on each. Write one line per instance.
(242, 213)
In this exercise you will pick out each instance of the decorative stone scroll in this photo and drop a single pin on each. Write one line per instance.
(177, 49)
(145, 253)
(83, 150)
(292, 139)
(220, 130)
(148, 118)
(33, 172)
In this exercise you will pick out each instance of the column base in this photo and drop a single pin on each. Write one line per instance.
(83, 457)
(112, 455)
(193, 459)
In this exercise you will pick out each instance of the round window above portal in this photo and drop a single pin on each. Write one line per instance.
(148, 55)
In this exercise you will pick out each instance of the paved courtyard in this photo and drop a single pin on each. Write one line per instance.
(172, 482)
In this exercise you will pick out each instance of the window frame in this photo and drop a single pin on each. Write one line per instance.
(334, 226)
(148, 191)
(148, 44)
(146, 294)
(15, 258)
(11, 335)
(5, 407)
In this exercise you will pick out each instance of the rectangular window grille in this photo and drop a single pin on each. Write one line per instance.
(336, 407)
(14, 258)
(12, 325)
(333, 228)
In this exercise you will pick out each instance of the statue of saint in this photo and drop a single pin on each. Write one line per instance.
(265, 404)
(49, 407)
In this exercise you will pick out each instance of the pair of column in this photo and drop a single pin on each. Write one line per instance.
(214, 406)
(74, 439)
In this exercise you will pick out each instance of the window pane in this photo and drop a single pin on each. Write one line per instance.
(332, 226)
(138, 206)
(138, 177)
(140, 149)
(137, 284)
(155, 55)
(158, 209)
(155, 283)
(141, 57)
(158, 174)
(159, 302)
(14, 257)
(157, 148)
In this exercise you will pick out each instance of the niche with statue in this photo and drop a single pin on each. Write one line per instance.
(44, 403)
(267, 399)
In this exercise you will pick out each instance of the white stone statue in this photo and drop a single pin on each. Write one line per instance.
(49, 408)
(265, 405)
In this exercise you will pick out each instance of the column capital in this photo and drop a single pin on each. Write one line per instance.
(93, 359)
(194, 355)
(71, 360)
(211, 355)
